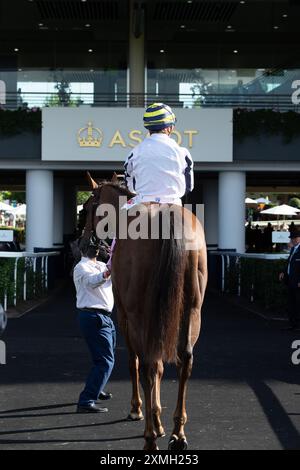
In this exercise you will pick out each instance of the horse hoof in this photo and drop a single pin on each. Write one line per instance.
(177, 444)
(161, 433)
(135, 417)
(151, 448)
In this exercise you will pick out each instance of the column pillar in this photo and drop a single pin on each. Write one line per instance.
(137, 53)
(39, 216)
(58, 211)
(232, 190)
(211, 222)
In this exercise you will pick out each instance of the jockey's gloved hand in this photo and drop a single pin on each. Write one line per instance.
(106, 274)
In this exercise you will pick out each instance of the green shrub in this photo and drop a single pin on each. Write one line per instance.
(34, 280)
(295, 202)
(258, 280)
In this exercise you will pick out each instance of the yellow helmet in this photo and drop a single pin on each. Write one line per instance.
(159, 116)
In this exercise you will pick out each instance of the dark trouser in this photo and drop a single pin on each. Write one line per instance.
(100, 335)
(294, 305)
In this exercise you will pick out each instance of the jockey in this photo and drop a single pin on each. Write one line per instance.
(158, 169)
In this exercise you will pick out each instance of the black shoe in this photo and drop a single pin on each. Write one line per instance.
(104, 396)
(92, 408)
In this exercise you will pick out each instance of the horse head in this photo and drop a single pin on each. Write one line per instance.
(106, 193)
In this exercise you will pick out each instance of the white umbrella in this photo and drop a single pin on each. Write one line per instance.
(248, 200)
(6, 208)
(283, 209)
(263, 200)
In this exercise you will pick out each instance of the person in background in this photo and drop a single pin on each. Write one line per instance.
(3, 320)
(291, 276)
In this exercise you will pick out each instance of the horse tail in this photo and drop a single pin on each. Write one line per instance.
(166, 298)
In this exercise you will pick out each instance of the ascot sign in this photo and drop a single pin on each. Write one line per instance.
(90, 136)
(109, 134)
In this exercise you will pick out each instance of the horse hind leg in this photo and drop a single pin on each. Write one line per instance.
(148, 373)
(178, 440)
(156, 405)
(136, 402)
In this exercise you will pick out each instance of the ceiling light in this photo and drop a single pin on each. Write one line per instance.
(275, 27)
(87, 25)
(242, 2)
(162, 51)
(90, 50)
(190, 1)
(182, 26)
(41, 24)
(235, 51)
(229, 27)
(16, 49)
(284, 15)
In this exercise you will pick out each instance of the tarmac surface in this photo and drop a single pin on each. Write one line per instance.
(244, 392)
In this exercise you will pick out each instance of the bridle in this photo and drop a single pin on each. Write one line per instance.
(89, 232)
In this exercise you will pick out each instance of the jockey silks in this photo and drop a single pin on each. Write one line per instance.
(159, 169)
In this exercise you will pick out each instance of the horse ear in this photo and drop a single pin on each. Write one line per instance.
(114, 178)
(92, 183)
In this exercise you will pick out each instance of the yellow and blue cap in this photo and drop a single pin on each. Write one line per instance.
(158, 116)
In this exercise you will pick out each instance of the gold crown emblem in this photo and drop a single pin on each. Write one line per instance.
(90, 136)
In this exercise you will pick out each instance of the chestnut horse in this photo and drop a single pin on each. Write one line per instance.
(159, 288)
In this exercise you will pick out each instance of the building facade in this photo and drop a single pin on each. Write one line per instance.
(76, 75)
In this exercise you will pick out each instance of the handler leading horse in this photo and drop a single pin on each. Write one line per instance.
(159, 287)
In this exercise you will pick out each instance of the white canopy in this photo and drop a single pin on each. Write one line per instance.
(248, 200)
(263, 200)
(283, 209)
(20, 210)
(6, 208)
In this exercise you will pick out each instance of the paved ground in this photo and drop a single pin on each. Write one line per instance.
(244, 392)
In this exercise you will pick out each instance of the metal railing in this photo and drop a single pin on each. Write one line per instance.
(226, 262)
(31, 100)
(27, 256)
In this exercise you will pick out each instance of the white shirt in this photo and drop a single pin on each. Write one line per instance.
(92, 289)
(158, 169)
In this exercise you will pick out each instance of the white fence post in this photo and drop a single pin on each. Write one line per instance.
(28, 257)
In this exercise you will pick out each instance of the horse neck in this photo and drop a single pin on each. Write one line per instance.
(111, 195)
